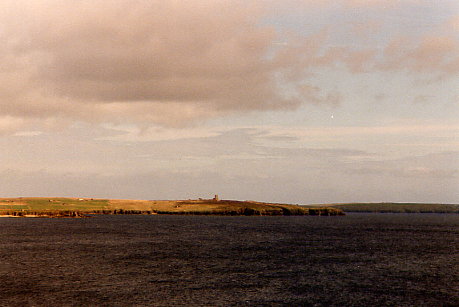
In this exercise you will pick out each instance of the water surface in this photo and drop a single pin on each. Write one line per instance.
(358, 259)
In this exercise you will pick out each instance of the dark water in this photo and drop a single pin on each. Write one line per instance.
(356, 260)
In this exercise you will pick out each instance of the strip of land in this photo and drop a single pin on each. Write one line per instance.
(396, 207)
(80, 207)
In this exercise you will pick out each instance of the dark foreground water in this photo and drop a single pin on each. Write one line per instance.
(355, 260)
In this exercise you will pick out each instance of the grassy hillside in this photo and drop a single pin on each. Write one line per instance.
(33, 206)
(397, 207)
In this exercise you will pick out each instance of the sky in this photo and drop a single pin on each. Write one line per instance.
(295, 101)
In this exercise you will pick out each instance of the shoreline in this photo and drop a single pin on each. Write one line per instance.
(80, 207)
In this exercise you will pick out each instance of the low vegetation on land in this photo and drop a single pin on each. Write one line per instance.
(397, 207)
(79, 207)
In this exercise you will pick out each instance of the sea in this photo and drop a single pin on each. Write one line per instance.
(159, 260)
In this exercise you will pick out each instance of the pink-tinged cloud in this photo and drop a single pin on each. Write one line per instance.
(433, 54)
(177, 62)
(197, 58)
(380, 3)
(453, 23)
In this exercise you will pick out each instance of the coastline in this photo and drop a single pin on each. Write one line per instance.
(82, 207)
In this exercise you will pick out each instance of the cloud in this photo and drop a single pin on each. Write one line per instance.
(453, 23)
(154, 134)
(343, 3)
(433, 54)
(178, 63)
(28, 133)
(422, 99)
(379, 3)
(444, 165)
(10, 124)
(163, 61)
(241, 171)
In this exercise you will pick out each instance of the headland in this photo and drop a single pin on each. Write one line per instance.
(81, 207)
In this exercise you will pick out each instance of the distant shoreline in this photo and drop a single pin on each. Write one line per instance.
(61, 207)
(81, 207)
(397, 207)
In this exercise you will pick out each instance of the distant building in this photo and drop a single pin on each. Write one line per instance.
(216, 197)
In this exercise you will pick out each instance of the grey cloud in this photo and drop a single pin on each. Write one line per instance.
(68, 58)
(300, 184)
(433, 54)
(177, 63)
(236, 164)
(436, 166)
(422, 99)
(156, 61)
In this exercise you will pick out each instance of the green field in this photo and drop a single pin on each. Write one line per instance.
(397, 207)
(39, 203)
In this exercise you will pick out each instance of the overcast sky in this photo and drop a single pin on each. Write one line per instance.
(295, 101)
